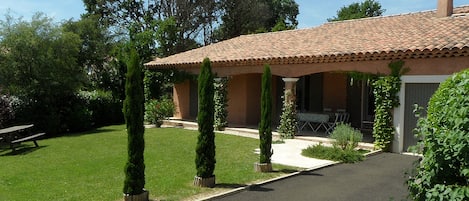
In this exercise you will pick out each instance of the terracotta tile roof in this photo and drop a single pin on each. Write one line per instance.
(414, 35)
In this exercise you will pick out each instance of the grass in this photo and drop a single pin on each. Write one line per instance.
(90, 166)
(334, 153)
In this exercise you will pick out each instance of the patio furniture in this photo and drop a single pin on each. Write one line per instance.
(16, 134)
(313, 120)
(339, 117)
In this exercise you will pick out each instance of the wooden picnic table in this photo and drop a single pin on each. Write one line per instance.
(17, 134)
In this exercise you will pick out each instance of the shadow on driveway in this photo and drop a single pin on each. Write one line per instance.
(379, 177)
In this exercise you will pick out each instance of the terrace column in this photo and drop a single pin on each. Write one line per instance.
(290, 89)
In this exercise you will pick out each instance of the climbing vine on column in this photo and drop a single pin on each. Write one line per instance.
(288, 121)
(385, 90)
(221, 103)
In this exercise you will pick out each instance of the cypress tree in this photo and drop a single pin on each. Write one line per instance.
(205, 150)
(133, 113)
(265, 128)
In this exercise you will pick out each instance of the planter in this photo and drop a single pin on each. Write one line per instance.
(140, 197)
(204, 182)
(263, 167)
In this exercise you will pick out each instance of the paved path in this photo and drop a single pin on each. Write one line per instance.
(289, 153)
(379, 177)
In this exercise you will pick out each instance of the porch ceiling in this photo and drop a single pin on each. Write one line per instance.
(405, 36)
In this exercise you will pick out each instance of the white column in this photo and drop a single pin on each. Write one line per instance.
(290, 89)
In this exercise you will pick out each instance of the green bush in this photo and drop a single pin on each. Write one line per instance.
(77, 116)
(205, 149)
(134, 182)
(333, 153)
(104, 107)
(265, 126)
(158, 110)
(443, 173)
(6, 110)
(346, 137)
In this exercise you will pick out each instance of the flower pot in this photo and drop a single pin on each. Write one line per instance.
(140, 197)
(263, 167)
(204, 182)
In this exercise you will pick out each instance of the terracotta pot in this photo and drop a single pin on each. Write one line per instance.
(204, 182)
(263, 167)
(140, 197)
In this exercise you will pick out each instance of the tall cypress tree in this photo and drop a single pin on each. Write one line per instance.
(265, 127)
(133, 112)
(205, 150)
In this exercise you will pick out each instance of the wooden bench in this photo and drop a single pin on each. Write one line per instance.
(25, 139)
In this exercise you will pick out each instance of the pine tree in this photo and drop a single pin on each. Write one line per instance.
(133, 111)
(265, 127)
(205, 150)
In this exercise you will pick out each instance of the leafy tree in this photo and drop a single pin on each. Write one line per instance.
(368, 8)
(205, 150)
(159, 27)
(443, 173)
(39, 66)
(131, 20)
(284, 12)
(265, 126)
(94, 56)
(247, 16)
(133, 112)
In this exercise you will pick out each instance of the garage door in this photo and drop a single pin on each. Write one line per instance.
(420, 94)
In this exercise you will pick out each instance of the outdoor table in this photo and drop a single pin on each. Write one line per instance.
(8, 133)
(12, 135)
(313, 120)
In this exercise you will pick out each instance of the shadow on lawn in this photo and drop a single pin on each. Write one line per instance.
(94, 131)
(19, 150)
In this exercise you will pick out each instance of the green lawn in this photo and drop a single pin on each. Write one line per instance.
(89, 166)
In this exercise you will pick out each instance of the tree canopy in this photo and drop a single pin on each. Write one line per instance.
(38, 65)
(253, 16)
(368, 8)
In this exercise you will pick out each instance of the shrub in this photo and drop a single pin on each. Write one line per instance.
(133, 112)
(265, 126)
(6, 110)
(443, 173)
(77, 116)
(346, 137)
(104, 107)
(332, 153)
(158, 110)
(205, 150)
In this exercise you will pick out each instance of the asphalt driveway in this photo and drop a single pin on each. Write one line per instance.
(379, 177)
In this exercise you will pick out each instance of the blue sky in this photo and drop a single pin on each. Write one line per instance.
(312, 12)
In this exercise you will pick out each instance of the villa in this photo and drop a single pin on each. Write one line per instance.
(315, 63)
